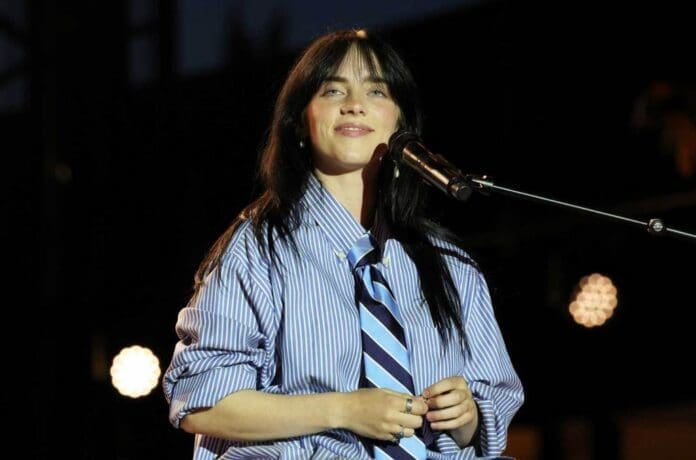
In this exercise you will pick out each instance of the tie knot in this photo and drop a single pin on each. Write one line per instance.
(365, 251)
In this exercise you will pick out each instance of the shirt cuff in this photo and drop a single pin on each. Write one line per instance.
(206, 389)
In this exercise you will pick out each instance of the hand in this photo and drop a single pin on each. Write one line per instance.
(380, 413)
(452, 407)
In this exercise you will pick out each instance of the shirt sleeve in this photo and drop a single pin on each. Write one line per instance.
(226, 334)
(488, 370)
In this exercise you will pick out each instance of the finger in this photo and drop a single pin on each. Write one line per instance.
(449, 413)
(418, 406)
(397, 432)
(408, 432)
(448, 399)
(409, 420)
(398, 403)
(387, 431)
(444, 385)
(453, 423)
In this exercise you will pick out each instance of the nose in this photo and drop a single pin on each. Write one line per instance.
(353, 105)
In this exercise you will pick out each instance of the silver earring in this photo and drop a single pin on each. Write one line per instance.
(396, 171)
(302, 144)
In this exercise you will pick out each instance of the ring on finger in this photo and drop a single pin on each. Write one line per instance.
(399, 435)
(409, 405)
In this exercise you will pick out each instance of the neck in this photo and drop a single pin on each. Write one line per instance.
(355, 190)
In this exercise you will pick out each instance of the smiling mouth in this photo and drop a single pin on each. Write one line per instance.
(353, 130)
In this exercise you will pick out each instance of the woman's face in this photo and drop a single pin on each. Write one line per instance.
(349, 116)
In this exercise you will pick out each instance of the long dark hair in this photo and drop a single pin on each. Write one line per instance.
(284, 169)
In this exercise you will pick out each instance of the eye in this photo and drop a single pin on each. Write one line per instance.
(331, 92)
(379, 92)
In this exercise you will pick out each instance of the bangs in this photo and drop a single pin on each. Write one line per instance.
(363, 57)
(364, 60)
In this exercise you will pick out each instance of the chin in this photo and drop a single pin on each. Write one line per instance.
(358, 158)
(345, 162)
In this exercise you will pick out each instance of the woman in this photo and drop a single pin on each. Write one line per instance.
(276, 357)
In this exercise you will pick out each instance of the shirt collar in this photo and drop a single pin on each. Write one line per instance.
(341, 228)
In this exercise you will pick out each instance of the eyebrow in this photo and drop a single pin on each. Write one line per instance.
(337, 79)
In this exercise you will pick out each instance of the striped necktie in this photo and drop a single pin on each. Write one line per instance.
(386, 362)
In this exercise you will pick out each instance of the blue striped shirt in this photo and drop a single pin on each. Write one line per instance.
(294, 328)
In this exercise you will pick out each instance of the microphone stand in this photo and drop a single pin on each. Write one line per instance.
(654, 226)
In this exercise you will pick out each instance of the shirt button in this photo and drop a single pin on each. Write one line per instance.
(341, 255)
(385, 261)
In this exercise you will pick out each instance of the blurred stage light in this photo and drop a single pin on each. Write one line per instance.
(135, 371)
(63, 173)
(593, 300)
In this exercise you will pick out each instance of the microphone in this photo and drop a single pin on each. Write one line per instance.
(407, 148)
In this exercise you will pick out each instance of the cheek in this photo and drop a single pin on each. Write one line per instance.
(390, 119)
(317, 120)
(390, 114)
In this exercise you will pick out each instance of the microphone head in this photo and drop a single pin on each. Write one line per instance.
(398, 141)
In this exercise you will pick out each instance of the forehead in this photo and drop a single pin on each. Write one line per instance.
(360, 64)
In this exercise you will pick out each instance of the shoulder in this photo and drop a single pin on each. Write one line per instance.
(257, 243)
(455, 256)
(244, 246)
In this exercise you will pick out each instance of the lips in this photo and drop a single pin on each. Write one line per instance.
(353, 129)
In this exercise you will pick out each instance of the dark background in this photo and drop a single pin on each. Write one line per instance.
(122, 168)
